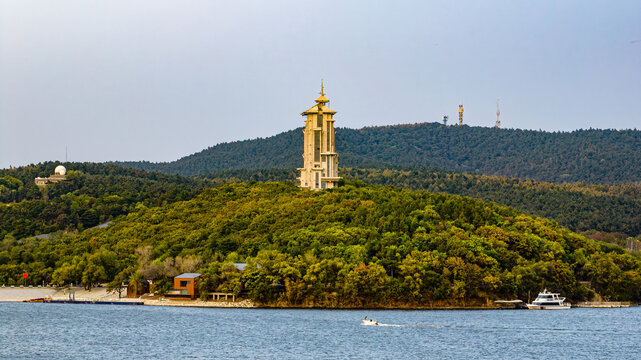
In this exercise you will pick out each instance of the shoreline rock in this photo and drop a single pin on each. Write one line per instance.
(199, 303)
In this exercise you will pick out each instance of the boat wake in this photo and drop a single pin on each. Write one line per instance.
(372, 322)
(417, 326)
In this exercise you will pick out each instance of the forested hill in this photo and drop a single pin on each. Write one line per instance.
(95, 193)
(92, 194)
(593, 156)
(613, 209)
(355, 245)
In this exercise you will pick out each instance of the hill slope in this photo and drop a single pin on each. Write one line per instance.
(580, 207)
(594, 156)
(355, 245)
(96, 193)
(92, 194)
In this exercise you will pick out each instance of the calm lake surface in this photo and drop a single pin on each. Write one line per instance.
(57, 331)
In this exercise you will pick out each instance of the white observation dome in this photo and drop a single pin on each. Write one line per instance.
(60, 170)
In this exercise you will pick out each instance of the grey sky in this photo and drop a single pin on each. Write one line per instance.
(158, 80)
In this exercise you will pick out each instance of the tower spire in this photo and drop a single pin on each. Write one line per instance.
(322, 99)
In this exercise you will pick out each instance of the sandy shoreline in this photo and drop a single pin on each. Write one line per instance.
(20, 294)
(16, 294)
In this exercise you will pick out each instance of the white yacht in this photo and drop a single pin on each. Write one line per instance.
(548, 301)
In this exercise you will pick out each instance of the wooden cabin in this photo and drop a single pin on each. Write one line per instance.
(185, 286)
(136, 289)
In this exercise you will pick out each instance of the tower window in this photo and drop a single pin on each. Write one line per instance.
(317, 145)
(329, 136)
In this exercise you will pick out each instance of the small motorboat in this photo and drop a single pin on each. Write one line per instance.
(548, 301)
(35, 300)
(368, 322)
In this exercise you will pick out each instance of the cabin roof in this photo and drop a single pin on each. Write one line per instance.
(188, 276)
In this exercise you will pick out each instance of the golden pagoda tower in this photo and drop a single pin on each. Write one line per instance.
(320, 160)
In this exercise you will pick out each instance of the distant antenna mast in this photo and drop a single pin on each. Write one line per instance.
(498, 113)
(460, 115)
(66, 152)
(444, 117)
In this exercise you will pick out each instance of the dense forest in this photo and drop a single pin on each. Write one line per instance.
(96, 193)
(578, 206)
(613, 209)
(592, 156)
(355, 245)
(92, 194)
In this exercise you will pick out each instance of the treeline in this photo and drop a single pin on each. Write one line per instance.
(578, 206)
(593, 156)
(613, 209)
(91, 195)
(96, 193)
(356, 245)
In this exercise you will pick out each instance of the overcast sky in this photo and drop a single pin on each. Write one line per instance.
(157, 80)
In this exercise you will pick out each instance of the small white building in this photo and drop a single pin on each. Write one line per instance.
(60, 174)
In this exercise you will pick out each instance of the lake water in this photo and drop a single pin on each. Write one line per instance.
(57, 331)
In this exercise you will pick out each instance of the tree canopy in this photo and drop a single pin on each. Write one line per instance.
(592, 156)
(91, 195)
(355, 245)
(613, 209)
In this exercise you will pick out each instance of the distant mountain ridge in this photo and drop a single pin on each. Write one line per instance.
(593, 156)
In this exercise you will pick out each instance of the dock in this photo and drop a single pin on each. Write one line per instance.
(603, 304)
(511, 304)
(217, 296)
(97, 302)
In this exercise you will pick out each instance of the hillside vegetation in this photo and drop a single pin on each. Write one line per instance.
(593, 156)
(614, 209)
(96, 193)
(92, 194)
(356, 245)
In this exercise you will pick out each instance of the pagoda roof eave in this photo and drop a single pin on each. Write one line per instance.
(315, 110)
